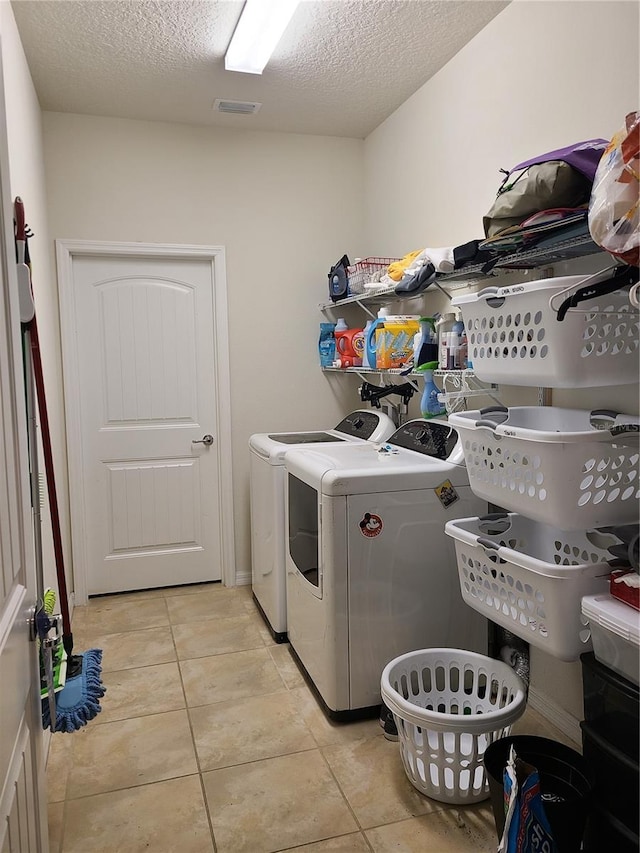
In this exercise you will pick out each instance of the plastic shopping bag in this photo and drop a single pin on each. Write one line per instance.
(526, 828)
(614, 208)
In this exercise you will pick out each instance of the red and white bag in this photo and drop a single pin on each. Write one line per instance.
(614, 208)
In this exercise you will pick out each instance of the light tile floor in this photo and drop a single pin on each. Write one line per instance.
(209, 740)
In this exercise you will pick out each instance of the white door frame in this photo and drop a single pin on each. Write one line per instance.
(66, 250)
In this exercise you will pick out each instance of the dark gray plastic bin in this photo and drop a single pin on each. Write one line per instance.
(563, 772)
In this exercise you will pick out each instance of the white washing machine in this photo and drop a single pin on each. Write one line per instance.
(370, 572)
(267, 477)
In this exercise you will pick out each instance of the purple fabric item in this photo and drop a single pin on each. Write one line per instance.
(583, 156)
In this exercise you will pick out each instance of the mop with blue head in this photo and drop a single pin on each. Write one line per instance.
(71, 687)
(77, 702)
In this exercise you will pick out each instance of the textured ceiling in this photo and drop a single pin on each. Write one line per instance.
(340, 69)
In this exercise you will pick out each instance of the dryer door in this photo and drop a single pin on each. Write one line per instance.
(303, 529)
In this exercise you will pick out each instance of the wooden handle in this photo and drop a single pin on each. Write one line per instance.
(18, 211)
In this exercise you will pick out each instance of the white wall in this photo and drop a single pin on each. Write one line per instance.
(284, 206)
(26, 179)
(541, 75)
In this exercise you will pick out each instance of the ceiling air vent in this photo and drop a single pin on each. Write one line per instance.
(239, 108)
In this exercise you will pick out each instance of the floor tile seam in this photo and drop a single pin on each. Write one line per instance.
(130, 787)
(340, 788)
(102, 722)
(63, 827)
(282, 678)
(68, 761)
(438, 809)
(204, 704)
(207, 811)
(342, 835)
(108, 633)
(216, 617)
(184, 692)
(217, 654)
(233, 698)
(260, 760)
(141, 666)
(198, 765)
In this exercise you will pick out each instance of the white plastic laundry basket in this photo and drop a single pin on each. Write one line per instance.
(449, 705)
(530, 577)
(570, 468)
(514, 336)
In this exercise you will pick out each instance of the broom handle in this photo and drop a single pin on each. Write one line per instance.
(67, 637)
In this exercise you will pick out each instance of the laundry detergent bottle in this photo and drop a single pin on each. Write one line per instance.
(365, 351)
(430, 406)
(370, 342)
(338, 332)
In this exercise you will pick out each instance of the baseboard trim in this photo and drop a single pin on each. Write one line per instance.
(557, 716)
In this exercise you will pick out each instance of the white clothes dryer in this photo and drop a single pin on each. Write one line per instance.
(370, 572)
(267, 483)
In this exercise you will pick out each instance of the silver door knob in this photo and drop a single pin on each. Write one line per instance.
(206, 439)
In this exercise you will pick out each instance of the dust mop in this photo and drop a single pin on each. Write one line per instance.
(78, 701)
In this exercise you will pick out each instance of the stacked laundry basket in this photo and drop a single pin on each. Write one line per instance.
(561, 475)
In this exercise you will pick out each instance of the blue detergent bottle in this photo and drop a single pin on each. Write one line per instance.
(370, 342)
(365, 355)
(430, 406)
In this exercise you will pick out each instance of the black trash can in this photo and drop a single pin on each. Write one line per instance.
(564, 775)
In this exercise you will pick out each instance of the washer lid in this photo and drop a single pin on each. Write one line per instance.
(357, 427)
(364, 468)
(304, 437)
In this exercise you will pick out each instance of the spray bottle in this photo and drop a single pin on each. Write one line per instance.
(425, 346)
(430, 406)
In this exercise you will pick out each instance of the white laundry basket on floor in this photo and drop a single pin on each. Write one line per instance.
(449, 705)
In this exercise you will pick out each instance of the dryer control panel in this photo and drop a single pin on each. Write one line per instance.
(360, 424)
(426, 437)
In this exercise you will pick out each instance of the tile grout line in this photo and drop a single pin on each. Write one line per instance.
(193, 742)
(345, 798)
(129, 787)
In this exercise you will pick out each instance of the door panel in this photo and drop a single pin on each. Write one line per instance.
(147, 386)
(22, 797)
(19, 802)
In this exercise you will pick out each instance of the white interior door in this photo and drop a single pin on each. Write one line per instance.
(146, 391)
(22, 796)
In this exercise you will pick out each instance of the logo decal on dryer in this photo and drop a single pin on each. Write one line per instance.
(371, 525)
(447, 495)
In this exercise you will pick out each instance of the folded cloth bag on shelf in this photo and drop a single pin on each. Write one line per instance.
(560, 178)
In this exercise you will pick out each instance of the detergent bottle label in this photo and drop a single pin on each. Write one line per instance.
(358, 342)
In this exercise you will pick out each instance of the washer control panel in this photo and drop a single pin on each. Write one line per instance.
(427, 437)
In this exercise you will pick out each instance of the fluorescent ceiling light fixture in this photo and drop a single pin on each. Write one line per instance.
(259, 30)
